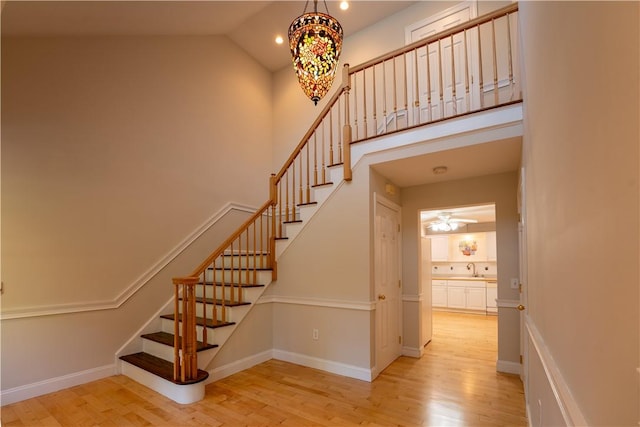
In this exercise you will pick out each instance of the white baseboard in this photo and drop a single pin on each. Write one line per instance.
(51, 385)
(325, 365)
(508, 367)
(239, 365)
(413, 352)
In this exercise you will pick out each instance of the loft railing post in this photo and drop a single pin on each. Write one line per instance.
(346, 130)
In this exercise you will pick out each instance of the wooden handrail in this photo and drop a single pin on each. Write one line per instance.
(215, 254)
(307, 135)
(439, 36)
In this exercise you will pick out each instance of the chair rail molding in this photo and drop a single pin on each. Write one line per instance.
(133, 288)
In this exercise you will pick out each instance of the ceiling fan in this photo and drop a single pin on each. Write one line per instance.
(445, 222)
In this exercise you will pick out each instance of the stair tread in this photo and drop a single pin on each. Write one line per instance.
(237, 268)
(225, 302)
(167, 339)
(256, 254)
(200, 321)
(295, 221)
(322, 185)
(308, 204)
(160, 367)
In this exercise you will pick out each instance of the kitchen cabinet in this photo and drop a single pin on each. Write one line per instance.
(476, 298)
(456, 296)
(439, 293)
(439, 248)
(492, 249)
(466, 295)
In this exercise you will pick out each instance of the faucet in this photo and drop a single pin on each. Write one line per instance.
(474, 269)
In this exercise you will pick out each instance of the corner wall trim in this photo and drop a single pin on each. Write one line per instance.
(325, 365)
(569, 408)
(51, 385)
(134, 287)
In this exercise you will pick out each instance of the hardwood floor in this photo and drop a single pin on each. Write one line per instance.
(453, 384)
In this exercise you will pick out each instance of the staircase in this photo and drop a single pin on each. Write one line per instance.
(210, 303)
(224, 295)
(222, 301)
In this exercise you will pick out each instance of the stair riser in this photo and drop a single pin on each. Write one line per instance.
(166, 352)
(231, 314)
(244, 261)
(248, 294)
(156, 349)
(214, 336)
(234, 276)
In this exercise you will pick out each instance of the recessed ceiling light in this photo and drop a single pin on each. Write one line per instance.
(279, 40)
(344, 5)
(439, 170)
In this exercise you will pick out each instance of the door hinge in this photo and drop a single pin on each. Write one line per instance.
(398, 228)
(520, 287)
(399, 283)
(399, 339)
(521, 359)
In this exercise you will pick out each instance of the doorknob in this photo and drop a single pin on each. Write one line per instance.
(520, 307)
(382, 296)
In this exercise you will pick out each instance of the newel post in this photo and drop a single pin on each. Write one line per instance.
(185, 356)
(346, 129)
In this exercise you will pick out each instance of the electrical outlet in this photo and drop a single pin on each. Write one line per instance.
(315, 334)
(515, 283)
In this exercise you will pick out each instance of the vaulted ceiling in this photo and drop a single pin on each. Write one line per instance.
(253, 25)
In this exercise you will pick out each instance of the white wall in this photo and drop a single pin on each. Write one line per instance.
(324, 282)
(114, 149)
(581, 158)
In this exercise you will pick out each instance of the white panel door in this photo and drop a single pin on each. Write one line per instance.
(387, 283)
(444, 72)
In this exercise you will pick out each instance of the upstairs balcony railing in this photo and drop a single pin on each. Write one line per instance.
(465, 69)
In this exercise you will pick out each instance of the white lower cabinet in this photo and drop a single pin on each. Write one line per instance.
(456, 296)
(439, 293)
(460, 295)
(476, 298)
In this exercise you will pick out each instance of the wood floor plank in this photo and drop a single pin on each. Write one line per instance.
(454, 384)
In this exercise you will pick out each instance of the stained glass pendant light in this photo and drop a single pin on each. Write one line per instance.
(315, 40)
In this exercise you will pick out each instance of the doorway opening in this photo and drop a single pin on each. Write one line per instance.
(459, 267)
